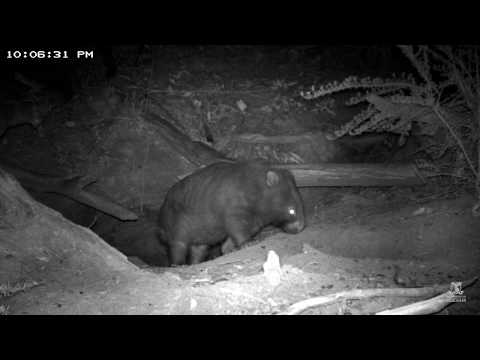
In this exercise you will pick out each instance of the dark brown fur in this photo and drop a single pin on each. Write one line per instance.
(227, 200)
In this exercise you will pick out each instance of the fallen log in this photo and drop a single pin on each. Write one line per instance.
(306, 175)
(196, 152)
(73, 188)
(420, 308)
(331, 174)
(350, 141)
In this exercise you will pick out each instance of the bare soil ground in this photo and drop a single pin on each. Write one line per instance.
(368, 240)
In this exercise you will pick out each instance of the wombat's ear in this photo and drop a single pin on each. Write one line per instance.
(272, 178)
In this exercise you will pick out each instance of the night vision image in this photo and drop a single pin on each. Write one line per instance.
(240, 180)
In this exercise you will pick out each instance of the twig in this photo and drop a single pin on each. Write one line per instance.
(437, 112)
(425, 307)
(429, 306)
(301, 306)
(95, 218)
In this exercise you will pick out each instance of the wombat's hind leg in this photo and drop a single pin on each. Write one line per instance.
(178, 252)
(198, 253)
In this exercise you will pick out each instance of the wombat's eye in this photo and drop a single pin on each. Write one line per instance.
(291, 211)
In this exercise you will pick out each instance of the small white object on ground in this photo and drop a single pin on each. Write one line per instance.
(271, 268)
(422, 211)
(308, 249)
(193, 304)
(241, 105)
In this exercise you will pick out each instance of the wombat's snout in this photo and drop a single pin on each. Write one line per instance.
(294, 227)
